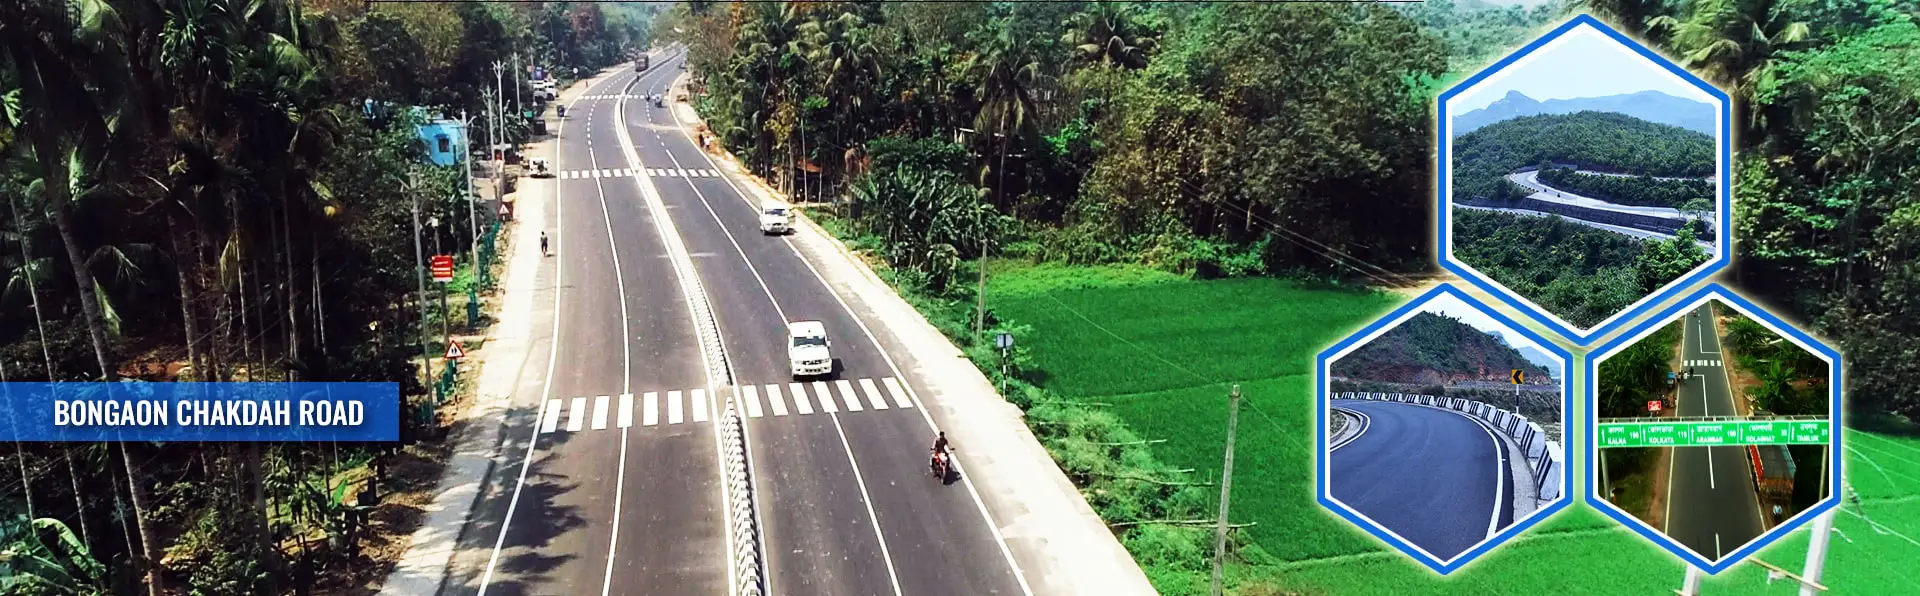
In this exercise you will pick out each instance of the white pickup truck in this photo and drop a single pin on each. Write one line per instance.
(807, 349)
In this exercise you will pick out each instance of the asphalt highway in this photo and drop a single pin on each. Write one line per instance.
(1712, 508)
(1435, 477)
(605, 509)
(622, 494)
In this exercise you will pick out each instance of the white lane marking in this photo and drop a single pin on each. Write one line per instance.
(576, 414)
(825, 395)
(550, 416)
(751, 395)
(846, 393)
(800, 398)
(979, 504)
(600, 412)
(1717, 553)
(873, 394)
(899, 395)
(674, 415)
(546, 387)
(650, 409)
(773, 401)
(626, 410)
(699, 405)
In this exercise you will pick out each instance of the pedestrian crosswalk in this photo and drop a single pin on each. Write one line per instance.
(660, 408)
(1713, 362)
(649, 172)
(613, 96)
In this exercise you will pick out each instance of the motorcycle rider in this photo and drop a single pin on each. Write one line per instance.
(939, 452)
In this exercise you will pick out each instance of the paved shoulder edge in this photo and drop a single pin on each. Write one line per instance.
(431, 548)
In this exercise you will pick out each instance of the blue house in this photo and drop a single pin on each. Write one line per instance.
(445, 139)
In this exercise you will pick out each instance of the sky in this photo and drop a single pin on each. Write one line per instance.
(1447, 304)
(1582, 63)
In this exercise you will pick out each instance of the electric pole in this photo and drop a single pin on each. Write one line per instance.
(473, 217)
(517, 106)
(1226, 489)
(420, 277)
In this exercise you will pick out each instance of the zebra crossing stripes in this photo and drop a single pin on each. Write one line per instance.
(607, 97)
(690, 406)
(603, 173)
(1711, 362)
(629, 172)
(677, 173)
(800, 399)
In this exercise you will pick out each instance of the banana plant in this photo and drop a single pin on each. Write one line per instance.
(43, 556)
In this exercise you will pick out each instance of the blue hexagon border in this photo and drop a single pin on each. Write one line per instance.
(1724, 235)
(1590, 448)
(1322, 487)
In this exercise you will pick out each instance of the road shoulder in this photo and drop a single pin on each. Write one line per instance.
(477, 442)
(1059, 543)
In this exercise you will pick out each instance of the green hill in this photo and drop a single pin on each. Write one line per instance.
(1602, 141)
(1436, 349)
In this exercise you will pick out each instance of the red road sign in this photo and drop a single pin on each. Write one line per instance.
(1653, 406)
(453, 350)
(442, 268)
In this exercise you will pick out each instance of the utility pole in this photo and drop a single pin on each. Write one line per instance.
(1000, 189)
(433, 223)
(1226, 490)
(420, 277)
(473, 217)
(500, 109)
(1817, 552)
(517, 106)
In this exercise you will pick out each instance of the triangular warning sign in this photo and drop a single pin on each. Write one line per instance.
(453, 350)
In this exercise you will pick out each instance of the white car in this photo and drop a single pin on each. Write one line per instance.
(807, 349)
(776, 218)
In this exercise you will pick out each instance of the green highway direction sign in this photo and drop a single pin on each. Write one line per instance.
(1715, 432)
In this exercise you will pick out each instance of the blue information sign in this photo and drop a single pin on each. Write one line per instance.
(200, 411)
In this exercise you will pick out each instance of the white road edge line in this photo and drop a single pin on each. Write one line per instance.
(1499, 476)
(553, 356)
(668, 236)
(1018, 575)
(858, 478)
(626, 361)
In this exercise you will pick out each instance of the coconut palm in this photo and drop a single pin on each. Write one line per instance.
(1733, 42)
(1110, 33)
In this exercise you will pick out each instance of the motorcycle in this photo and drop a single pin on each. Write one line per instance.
(941, 465)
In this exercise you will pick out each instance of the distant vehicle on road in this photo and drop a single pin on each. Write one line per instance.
(776, 218)
(538, 168)
(807, 349)
(640, 64)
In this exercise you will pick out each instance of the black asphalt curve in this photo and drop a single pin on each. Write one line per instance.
(846, 503)
(1435, 477)
(1712, 508)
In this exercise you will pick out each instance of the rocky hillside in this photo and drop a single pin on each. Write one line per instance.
(1436, 349)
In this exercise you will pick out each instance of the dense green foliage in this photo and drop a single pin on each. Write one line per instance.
(195, 190)
(1638, 374)
(1438, 347)
(1580, 274)
(1792, 380)
(1177, 135)
(1602, 141)
(1688, 193)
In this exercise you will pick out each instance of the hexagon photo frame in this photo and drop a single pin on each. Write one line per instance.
(1440, 428)
(1583, 179)
(1714, 428)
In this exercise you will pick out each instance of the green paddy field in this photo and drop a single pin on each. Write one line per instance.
(1162, 350)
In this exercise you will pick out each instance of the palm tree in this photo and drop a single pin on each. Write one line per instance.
(1111, 34)
(1733, 43)
(1631, 17)
(1009, 75)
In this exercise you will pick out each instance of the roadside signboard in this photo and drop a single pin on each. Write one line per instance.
(454, 351)
(1653, 406)
(441, 266)
(1709, 433)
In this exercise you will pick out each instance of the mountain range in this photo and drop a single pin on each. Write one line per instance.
(1434, 348)
(1652, 106)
